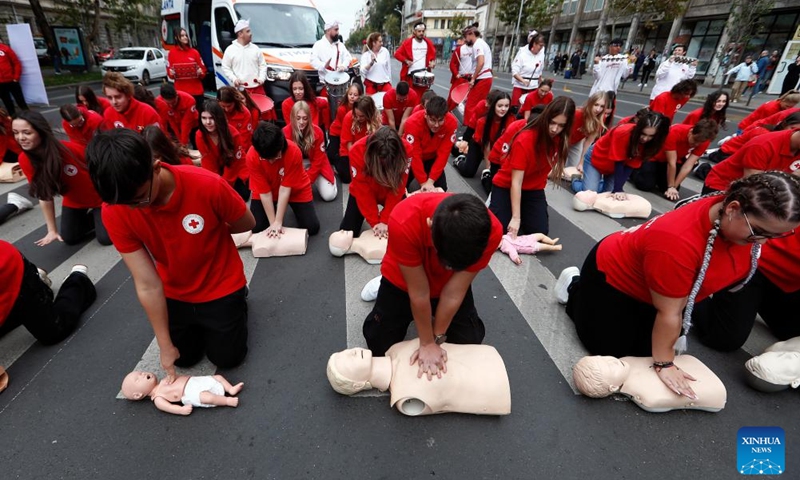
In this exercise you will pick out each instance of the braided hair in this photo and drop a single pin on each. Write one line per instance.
(770, 194)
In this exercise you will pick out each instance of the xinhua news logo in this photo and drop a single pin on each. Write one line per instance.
(761, 451)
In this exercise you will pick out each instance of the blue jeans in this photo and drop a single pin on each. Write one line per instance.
(592, 179)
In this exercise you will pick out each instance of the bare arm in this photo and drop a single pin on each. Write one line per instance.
(450, 300)
(49, 213)
(666, 330)
(245, 223)
(516, 198)
(686, 169)
(406, 114)
(150, 292)
(432, 358)
(276, 226)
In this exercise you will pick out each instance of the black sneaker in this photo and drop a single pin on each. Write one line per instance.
(486, 180)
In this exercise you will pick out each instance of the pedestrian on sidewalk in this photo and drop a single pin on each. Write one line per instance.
(743, 72)
(762, 63)
(648, 65)
(790, 81)
(10, 73)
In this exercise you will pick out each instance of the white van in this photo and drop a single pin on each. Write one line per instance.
(284, 29)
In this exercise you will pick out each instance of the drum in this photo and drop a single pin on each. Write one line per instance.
(423, 79)
(378, 99)
(337, 83)
(459, 92)
(263, 102)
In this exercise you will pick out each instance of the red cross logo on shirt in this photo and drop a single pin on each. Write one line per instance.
(193, 223)
(795, 165)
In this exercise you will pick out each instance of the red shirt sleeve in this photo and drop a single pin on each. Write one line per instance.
(259, 183)
(190, 119)
(116, 225)
(294, 175)
(347, 134)
(412, 136)
(445, 146)
(361, 185)
(286, 108)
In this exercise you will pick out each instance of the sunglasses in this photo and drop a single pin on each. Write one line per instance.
(759, 235)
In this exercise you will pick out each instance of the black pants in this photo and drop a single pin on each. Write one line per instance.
(343, 168)
(533, 210)
(718, 156)
(608, 321)
(7, 89)
(49, 320)
(304, 211)
(333, 149)
(242, 187)
(473, 161)
(7, 211)
(440, 182)
(353, 219)
(486, 182)
(646, 71)
(217, 328)
(724, 321)
(76, 223)
(651, 176)
(388, 322)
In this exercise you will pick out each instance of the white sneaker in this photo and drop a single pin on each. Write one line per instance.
(370, 291)
(639, 85)
(80, 269)
(19, 201)
(645, 84)
(563, 283)
(44, 278)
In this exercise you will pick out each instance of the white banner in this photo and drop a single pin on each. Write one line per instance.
(20, 40)
(790, 53)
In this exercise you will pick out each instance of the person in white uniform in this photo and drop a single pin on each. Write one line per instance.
(672, 71)
(527, 67)
(608, 73)
(243, 63)
(329, 54)
(376, 65)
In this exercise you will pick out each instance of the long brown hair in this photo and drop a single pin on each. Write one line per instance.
(47, 159)
(385, 159)
(240, 100)
(366, 105)
(556, 154)
(163, 148)
(226, 146)
(303, 138)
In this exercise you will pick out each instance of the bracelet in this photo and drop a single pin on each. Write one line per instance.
(658, 366)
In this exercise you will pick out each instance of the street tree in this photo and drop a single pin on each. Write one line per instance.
(42, 23)
(535, 14)
(649, 12)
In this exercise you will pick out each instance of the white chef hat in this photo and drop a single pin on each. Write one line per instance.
(332, 24)
(241, 25)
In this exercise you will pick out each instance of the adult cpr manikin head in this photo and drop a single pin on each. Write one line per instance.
(600, 376)
(777, 368)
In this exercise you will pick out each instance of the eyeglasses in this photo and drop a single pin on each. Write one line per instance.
(138, 203)
(754, 237)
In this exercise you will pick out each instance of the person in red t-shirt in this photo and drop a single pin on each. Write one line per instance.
(431, 134)
(241, 112)
(488, 129)
(178, 112)
(172, 225)
(58, 168)
(380, 164)
(10, 74)
(301, 89)
(438, 243)
(683, 148)
(787, 101)
(538, 96)
(416, 54)
(668, 103)
(502, 146)
(608, 163)
(354, 91)
(79, 123)
(279, 180)
(222, 148)
(85, 96)
(185, 66)
(587, 126)
(735, 143)
(125, 111)
(637, 289)
(398, 104)
(311, 141)
(27, 299)
(538, 152)
(770, 151)
(714, 108)
(363, 120)
(164, 149)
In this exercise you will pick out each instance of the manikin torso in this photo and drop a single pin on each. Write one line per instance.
(171, 392)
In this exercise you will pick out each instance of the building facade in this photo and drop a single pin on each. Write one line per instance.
(442, 19)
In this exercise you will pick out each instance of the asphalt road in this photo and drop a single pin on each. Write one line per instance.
(61, 417)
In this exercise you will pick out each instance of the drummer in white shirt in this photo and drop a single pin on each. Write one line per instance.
(481, 81)
(329, 54)
(376, 67)
(243, 63)
(416, 54)
(527, 67)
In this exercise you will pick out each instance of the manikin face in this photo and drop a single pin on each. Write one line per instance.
(434, 123)
(352, 96)
(679, 51)
(721, 102)
(557, 125)
(419, 32)
(208, 122)
(227, 107)
(354, 364)
(298, 90)
(647, 134)
(301, 120)
(24, 133)
(599, 107)
(501, 107)
(138, 385)
(119, 101)
(615, 372)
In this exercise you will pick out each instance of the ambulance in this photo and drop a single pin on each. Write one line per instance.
(285, 30)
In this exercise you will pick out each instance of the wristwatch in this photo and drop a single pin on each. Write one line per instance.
(440, 339)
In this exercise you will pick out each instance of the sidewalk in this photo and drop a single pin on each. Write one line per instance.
(631, 87)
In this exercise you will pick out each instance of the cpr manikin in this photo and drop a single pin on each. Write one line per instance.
(634, 377)
(367, 245)
(633, 207)
(11, 173)
(530, 244)
(475, 382)
(293, 241)
(207, 391)
(777, 368)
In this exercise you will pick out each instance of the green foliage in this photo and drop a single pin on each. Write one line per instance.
(537, 14)
(356, 39)
(745, 20)
(651, 10)
(457, 24)
(382, 12)
(392, 27)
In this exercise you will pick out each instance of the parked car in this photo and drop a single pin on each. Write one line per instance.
(103, 55)
(138, 64)
(41, 47)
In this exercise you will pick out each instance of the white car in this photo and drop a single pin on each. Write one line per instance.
(138, 64)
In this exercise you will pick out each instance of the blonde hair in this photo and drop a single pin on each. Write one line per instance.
(593, 126)
(791, 98)
(303, 138)
(366, 105)
(116, 81)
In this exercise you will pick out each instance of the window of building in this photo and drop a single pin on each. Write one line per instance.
(436, 23)
(573, 7)
(705, 37)
(773, 33)
(598, 5)
(657, 37)
(565, 7)
(588, 6)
